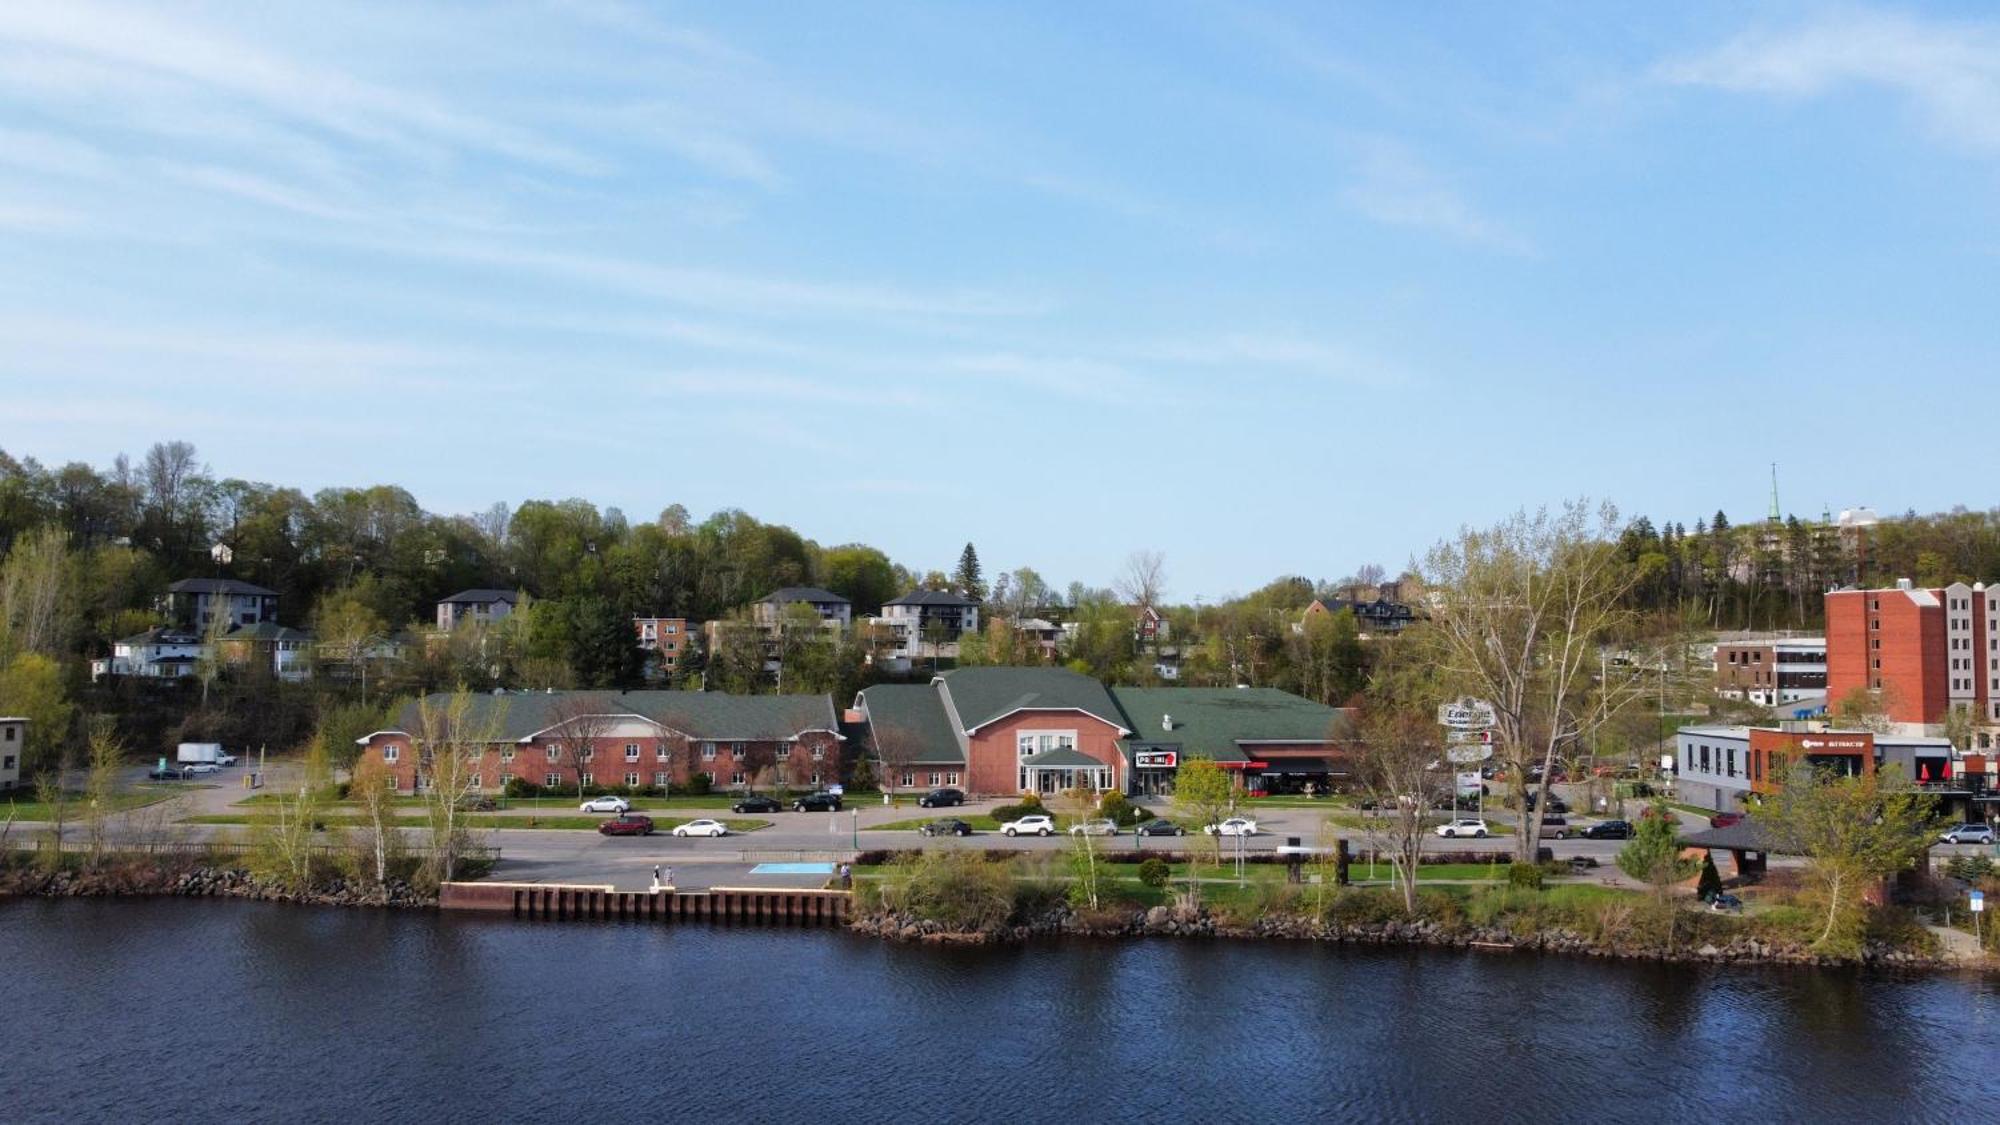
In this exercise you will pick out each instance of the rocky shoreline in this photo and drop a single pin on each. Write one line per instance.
(204, 882)
(1165, 922)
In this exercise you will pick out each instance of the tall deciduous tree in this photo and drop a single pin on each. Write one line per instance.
(1143, 581)
(1203, 796)
(452, 735)
(1520, 614)
(31, 686)
(1396, 763)
(1853, 831)
(580, 720)
(36, 613)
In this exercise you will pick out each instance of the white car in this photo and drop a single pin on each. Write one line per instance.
(1029, 826)
(605, 804)
(201, 767)
(1464, 827)
(1234, 826)
(702, 827)
(1968, 834)
(1101, 827)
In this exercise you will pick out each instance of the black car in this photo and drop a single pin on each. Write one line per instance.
(948, 826)
(817, 802)
(1609, 830)
(165, 775)
(756, 803)
(1159, 828)
(477, 802)
(939, 798)
(1557, 805)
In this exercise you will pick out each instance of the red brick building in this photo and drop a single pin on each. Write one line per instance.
(1926, 651)
(637, 739)
(1771, 671)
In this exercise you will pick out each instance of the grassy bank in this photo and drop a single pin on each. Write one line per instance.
(573, 822)
(25, 808)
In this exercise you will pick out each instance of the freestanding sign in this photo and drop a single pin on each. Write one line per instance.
(1467, 753)
(1978, 902)
(1467, 714)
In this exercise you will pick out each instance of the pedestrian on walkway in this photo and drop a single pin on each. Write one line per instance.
(670, 876)
(656, 878)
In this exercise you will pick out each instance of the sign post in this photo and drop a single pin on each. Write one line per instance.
(1978, 908)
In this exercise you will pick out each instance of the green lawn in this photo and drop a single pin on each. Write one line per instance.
(979, 822)
(25, 807)
(571, 822)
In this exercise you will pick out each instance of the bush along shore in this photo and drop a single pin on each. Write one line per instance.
(202, 875)
(967, 898)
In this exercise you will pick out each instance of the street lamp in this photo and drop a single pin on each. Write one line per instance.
(856, 815)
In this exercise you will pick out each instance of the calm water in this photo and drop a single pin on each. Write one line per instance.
(227, 1012)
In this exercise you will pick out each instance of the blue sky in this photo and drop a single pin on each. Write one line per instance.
(1271, 289)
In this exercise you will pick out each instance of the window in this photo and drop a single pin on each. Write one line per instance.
(555, 751)
(1731, 770)
(10, 734)
(933, 782)
(391, 752)
(819, 752)
(909, 779)
(815, 780)
(586, 754)
(475, 782)
(736, 750)
(951, 777)
(507, 753)
(708, 751)
(552, 780)
(784, 750)
(1704, 759)
(632, 779)
(661, 780)
(660, 753)
(1035, 742)
(736, 778)
(631, 751)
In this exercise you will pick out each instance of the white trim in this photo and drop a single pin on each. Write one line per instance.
(1122, 732)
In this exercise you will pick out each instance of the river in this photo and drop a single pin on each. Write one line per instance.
(190, 1010)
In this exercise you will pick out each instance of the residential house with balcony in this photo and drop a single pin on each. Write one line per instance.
(162, 653)
(928, 623)
(833, 610)
(666, 641)
(193, 603)
(475, 606)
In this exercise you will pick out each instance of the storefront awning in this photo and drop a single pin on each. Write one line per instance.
(1244, 765)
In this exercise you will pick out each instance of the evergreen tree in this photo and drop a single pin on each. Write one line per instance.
(967, 577)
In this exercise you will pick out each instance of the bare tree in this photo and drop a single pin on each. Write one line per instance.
(580, 720)
(452, 738)
(213, 628)
(896, 749)
(107, 754)
(1519, 613)
(54, 799)
(372, 788)
(1396, 765)
(1144, 579)
(34, 602)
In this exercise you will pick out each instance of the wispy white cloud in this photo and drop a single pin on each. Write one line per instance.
(127, 38)
(41, 152)
(1949, 71)
(1393, 185)
(32, 218)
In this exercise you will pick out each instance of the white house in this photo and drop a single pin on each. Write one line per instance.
(923, 620)
(155, 654)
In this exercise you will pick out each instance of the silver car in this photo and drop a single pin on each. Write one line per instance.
(1969, 834)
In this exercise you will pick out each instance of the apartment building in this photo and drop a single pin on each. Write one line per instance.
(1782, 670)
(1926, 651)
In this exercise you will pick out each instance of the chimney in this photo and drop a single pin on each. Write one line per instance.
(1902, 583)
(1166, 722)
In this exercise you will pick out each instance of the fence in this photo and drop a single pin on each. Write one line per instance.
(564, 902)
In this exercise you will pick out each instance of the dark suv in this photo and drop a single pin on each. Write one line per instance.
(817, 802)
(939, 798)
(1609, 830)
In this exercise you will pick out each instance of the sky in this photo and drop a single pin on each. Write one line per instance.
(1270, 289)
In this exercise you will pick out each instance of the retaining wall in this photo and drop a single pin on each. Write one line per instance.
(564, 902)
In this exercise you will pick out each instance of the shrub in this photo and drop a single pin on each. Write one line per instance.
(959, 890)
(1005, 813)
(1155, 872)
(1526, 875)
(700, 785)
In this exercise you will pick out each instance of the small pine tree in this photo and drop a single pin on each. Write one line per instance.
(1710, 883)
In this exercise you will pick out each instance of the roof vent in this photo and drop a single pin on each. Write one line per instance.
(1902, 583)
(1166, 722)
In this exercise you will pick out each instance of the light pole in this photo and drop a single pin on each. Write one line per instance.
(855, 814)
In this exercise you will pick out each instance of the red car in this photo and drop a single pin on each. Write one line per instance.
(628, 824)
(1725, 819)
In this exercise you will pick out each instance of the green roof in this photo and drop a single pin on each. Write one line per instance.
(915, 709)
(1214, 722)
(981, 695)
(697, 714)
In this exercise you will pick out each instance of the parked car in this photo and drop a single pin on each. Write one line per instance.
(1234, 826)
(1969, 834)
(1159, 828)
(628, 824)
(940, 798)
(197, 768)
(1556, 804)
(605, 804)
(1609, 830)
(947, 826)
(1464, 826)
(1725, 819)
(166, 775)
(477, 802)
(1556, 827)
(1037, 825)
(1103, 826)
(756, 803)
(702, 827)
(817, 802)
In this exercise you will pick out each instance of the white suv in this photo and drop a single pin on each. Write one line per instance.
(1968, 834)
(1468, 827)
(1031, 825)
(1101, 827)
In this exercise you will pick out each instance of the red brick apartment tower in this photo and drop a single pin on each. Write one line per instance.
(1929, 650)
